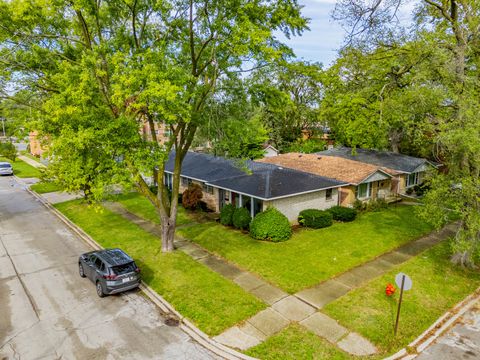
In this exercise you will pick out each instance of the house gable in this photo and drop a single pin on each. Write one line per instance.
(377, 176)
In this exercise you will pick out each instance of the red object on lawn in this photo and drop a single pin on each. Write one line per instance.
(390, 289)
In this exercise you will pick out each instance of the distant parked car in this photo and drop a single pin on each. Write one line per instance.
(6, 168)
(111, 270)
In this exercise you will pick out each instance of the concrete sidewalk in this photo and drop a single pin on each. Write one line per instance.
(31, 162)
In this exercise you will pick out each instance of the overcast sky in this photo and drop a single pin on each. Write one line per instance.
(325, 37)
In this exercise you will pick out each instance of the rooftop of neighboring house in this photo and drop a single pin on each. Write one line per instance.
(386, 159)
(337, 168)
(260, 180)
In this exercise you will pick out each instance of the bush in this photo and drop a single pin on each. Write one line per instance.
(241, 218)
(359, 205)
(409, 191)
(341, 213)
(226, 215)
(202, 205)
(192, 196)
(315, 219)
(377, 205)
(270, 225)
(421, 189)
(8, 150)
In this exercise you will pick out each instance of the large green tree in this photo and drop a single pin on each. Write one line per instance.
(450, 31)
(103, 68)
(233, 125)
(289, 96)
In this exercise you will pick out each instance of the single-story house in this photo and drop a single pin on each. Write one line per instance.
(269, 150)
(364, 181)
(407, 171)
(254, 185)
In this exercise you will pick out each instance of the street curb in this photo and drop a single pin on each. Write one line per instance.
(438, 328)
(195, 333)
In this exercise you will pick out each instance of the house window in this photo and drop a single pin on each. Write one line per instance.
(186, 182)
(207, 188)
(328, 194)
(364, 190)
(412, 179)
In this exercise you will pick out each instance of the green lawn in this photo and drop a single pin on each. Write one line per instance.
(22, 169)
(295, 342)
(212, 302)
(45, 187)
(312, 256)
(140, 206)
(437, 286)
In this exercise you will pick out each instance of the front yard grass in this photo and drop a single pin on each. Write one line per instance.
(22, 169)
(45, 187)
(296, 342)
(312, 256)
(210, 301)
(140, 206)
(437, 286)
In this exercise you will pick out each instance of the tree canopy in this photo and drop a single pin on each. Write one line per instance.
(100, 69)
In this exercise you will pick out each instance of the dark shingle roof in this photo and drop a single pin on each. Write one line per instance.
(264, 181)
(390, 160)
(206, 167)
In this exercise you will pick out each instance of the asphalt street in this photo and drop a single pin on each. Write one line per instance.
(462, 341)
(48, 312)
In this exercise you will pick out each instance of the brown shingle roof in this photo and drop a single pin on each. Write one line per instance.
(329, 166)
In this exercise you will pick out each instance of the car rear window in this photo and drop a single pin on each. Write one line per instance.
(124, 269)
(5, 166)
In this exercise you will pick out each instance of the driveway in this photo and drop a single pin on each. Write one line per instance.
(462, 341)
(48, 312)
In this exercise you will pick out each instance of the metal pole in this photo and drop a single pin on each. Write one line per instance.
(399, 305)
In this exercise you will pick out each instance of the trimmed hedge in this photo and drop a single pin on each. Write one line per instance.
(315, 219)
(241, 218)
(341, 213)
(226, 215)
(270, 225)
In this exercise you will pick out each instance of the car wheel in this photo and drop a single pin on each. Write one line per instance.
(80, 270)
(100, 292)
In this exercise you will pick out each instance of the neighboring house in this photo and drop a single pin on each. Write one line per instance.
(269, 151)
(407, 171)
(36, 148)
(162, 132)
(364, 181)
(254, 185)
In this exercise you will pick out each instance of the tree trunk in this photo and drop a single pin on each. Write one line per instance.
(168, 233)
(168, 206)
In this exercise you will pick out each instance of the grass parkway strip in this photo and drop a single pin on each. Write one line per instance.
(437, 286)
(212, 302)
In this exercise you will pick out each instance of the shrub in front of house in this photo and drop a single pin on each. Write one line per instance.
(359, 205)
(226, 215)
(270, 225)
(241, 218)
(315, 219)
(376, 205)
(421, 189)
(340, 213)
(192, 196)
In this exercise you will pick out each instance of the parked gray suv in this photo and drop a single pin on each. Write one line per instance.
(111, 270)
